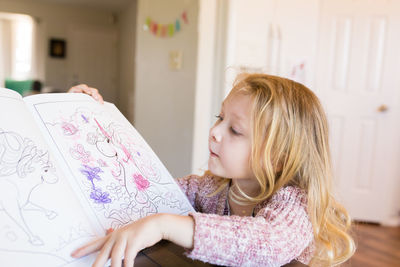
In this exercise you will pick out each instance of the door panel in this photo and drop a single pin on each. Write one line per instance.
(356, 63)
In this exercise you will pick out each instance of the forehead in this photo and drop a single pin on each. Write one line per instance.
(238, 105)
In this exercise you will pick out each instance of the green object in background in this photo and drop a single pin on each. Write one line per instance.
(22, 87)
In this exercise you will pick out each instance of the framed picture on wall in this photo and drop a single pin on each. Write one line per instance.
(57, 48)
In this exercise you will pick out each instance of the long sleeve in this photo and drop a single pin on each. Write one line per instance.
(199, 189)
(190, 187)
(280, 232)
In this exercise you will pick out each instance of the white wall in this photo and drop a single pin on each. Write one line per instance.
(127, 42)
(164, 98)
(54, 20)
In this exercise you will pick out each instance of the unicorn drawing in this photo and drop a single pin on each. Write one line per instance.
(23, 167)
(109, 142)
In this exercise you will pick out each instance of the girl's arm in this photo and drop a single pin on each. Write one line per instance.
(129, 240)
(280, 232)
(178, 229)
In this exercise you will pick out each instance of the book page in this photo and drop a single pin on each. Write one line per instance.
(116, 173)
(41, 220)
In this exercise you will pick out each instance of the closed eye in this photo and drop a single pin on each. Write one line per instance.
(234, 131)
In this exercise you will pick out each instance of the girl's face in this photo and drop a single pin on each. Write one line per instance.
(230, 139)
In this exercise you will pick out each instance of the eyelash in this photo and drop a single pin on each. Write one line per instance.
(219, 117)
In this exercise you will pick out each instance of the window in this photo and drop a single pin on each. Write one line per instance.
(22, 31)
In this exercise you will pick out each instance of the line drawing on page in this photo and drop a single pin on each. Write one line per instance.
(114, 169)
(23, 168)
(40, 221)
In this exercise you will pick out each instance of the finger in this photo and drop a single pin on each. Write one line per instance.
(96, 95)
(104, 253)
(77, 88)
(99, 98)
(89, 248)
(87, 90)
(82, 88)
(117, 253)
(130, 255)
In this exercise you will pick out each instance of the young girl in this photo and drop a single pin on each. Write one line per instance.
(266, 198)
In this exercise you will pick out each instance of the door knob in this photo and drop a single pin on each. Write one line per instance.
(383, 108)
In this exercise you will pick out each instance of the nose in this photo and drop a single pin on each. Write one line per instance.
(215, 134)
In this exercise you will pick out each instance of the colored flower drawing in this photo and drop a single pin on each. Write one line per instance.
(79, 153)
(68, 128)
(141, 182)
(100, 197)
(91, 173)
(102, 163)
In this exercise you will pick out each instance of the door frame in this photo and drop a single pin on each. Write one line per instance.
(212, 53)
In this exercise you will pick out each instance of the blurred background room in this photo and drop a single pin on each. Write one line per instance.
(167, 65)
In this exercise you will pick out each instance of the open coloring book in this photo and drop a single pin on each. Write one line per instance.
(70, 168)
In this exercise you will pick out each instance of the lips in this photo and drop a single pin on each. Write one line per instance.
(212, 154)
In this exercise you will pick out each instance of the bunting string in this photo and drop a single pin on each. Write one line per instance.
(165, 30)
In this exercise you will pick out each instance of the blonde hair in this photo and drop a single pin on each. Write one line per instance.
(290, 146)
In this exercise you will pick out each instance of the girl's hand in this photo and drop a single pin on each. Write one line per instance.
(130, 239)
(83, 88)
(125, 242)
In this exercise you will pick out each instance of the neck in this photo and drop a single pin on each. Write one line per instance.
(239, 209)
(249, 186)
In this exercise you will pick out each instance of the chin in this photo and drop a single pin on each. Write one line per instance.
(211, 166)
(215, 171)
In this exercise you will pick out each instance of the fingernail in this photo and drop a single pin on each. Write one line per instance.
(73, 253)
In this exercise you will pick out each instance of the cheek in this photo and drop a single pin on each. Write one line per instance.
(239, 160)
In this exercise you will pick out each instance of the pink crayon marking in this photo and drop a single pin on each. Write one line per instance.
(69, 128)
(115, 174)
(102, 163)
(84, 155)
(102, 130)
(141, 182)
(127, 153)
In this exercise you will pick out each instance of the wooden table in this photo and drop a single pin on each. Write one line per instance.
(167, 254)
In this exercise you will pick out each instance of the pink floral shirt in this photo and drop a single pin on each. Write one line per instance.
(279, 232)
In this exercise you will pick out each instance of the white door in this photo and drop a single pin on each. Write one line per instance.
(358, 82)
(93, 59)
(272, 36)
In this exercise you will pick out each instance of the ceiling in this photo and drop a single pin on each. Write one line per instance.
(111, 5)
